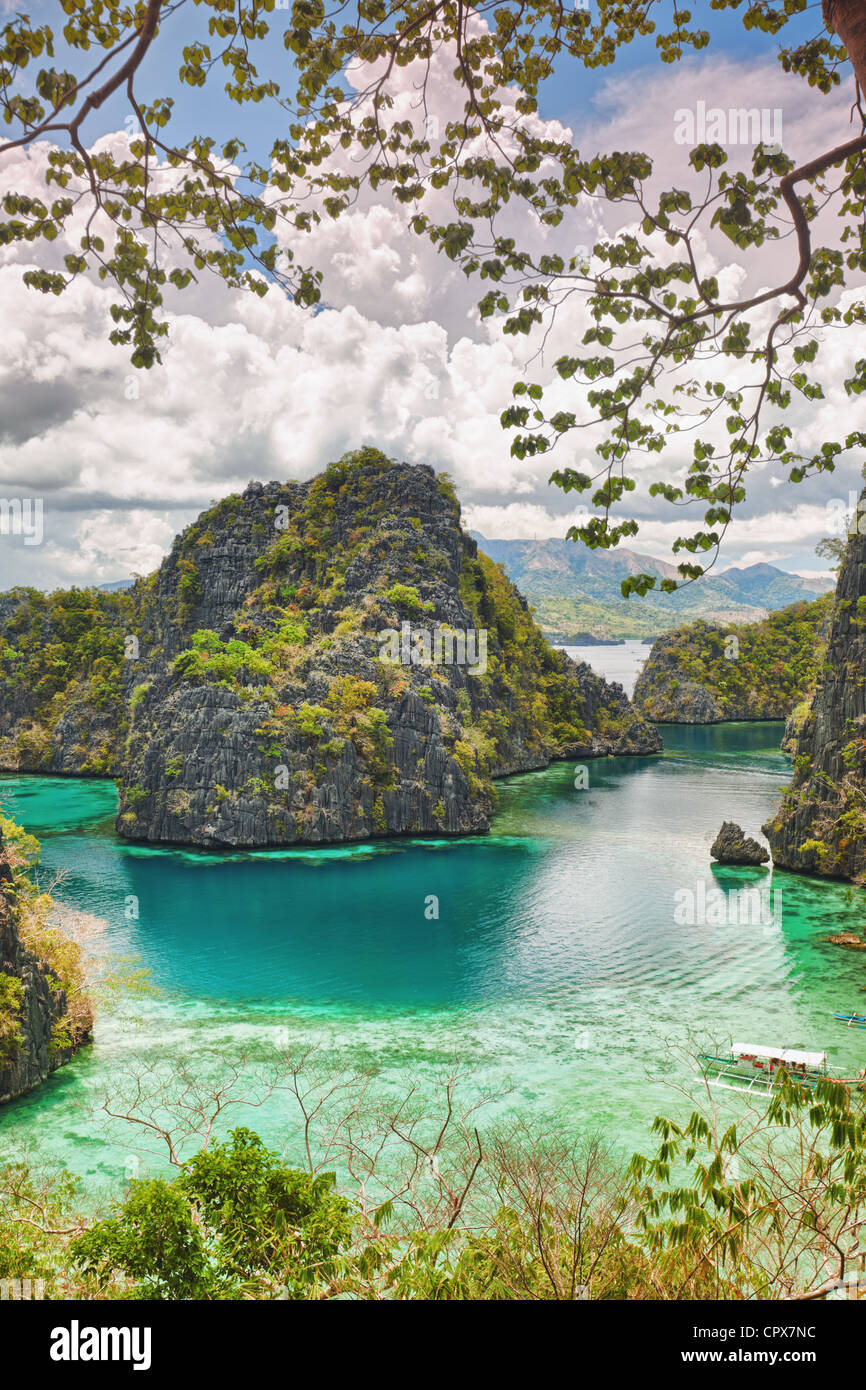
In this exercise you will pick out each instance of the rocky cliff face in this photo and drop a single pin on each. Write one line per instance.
(63, 680)
(33, 1004)
(279, 680)
(820, 827)
(702, 674)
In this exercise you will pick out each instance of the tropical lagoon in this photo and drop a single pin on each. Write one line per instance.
(546, 959)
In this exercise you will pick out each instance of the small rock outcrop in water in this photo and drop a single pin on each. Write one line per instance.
(707, 674)
(733, 846)
(36, 1036)
(240, 693)
(820, 827)
(848, 940)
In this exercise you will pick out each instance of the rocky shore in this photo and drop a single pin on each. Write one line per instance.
(36, 1034)
(820, 827)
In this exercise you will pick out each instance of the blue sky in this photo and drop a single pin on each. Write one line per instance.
(569, 95)
(259, 389)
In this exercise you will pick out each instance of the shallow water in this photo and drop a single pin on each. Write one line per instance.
(559, 962)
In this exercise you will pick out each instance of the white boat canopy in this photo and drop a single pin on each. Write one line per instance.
(780, 1054)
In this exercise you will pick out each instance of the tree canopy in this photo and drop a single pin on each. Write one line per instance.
(666, 352)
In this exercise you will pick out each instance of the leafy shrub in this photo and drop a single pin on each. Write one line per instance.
(404, 596)
(236, 1214)
(223, 661)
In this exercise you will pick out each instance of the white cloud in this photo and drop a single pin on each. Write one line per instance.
(112, 544)
(259, 388)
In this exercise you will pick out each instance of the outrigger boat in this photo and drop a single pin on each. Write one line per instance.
(753, 1068)
(852, 1020)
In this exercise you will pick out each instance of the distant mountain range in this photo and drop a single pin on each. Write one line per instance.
(576, 592)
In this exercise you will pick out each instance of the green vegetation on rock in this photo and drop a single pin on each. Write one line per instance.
(260, 704)
(820, 827)
(38, 959)
(62, 656)
(702, 674)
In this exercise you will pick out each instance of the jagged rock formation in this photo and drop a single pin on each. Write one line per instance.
(63, 680)
(257, 699)
(733, 846)
(793, 726)
(703, 674)
(820, 827)
(36, 1036)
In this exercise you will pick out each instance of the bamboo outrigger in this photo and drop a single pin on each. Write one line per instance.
(852, 1020)
(751, 1067)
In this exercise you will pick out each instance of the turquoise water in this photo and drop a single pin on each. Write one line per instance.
(557, 965)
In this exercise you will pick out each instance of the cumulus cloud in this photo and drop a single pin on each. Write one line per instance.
(400, 358)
